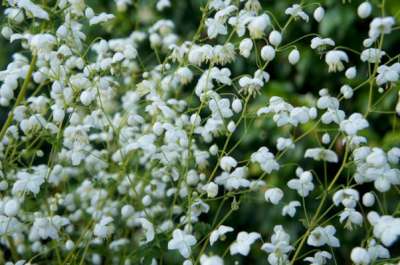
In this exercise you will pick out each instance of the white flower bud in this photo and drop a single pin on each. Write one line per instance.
(294, 56)
(3, 185)
(192, 178)
(118, 57)
(273, 195)
(237, 105)
(69, 245)
(364, 10)
(231, 126)
(346, 91)
(368, 42)
(319, 13)
(275, 38)
(245, 47)
(398, 105)
(360, 256)
(212, 190)
(213, 149)
(11, 208)
(127, 211)
(6, 32)
(351, 72)
(227, 163)
(368, 199)
(158, 128)
(326, 138)
(87, 97)
(267, 53)
(89, 13)
(146, 200)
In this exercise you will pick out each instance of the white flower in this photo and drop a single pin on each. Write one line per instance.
(372, 55)
(294, 56)
(273, 195)
(215, 27)
(352, 217)
(394, 155)
(258, 25)
(351, 72)
(318, 42)
(335, 59)
(348, 197)
(245, 47)
(296, 11)
(211, 260)
(267, 53)
(319, 13)
(149, 228)
(28, 182)
(323, 236)
(322, 154)
(284, 143)
(303, 185)
(376, 251)
(182, 242)
(376, 158)
(185, 75)
(243, 242)
(380, 25)
(320, 258)
(301, 115)
(275, 38)
(33, 9)
(227, 163)
(218, 233)
(386, 228)
(364, 9)
(388, 74)
(9, 225)
(266, 160)
(163, 4)
(42, 42)
(360, 256)
(353, 124)
(240, 22)
(104, 228)
(100, 18)
(47, 227)
(234, 180)
(290, 209)
(253, 85)
(220, 108)
(279, 246)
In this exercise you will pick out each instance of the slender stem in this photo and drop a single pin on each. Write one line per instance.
(20, 98)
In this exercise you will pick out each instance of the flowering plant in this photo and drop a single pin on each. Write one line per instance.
(154, 141)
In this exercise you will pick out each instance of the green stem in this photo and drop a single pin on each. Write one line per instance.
(20, 98)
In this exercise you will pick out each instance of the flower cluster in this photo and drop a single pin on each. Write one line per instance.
(133, 149)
